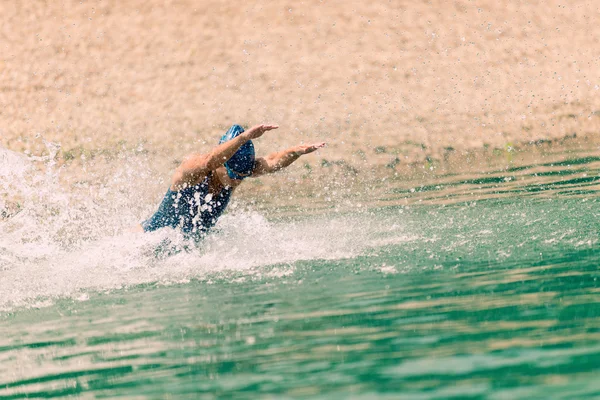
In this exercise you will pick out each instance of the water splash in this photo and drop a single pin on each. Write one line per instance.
(64, 242)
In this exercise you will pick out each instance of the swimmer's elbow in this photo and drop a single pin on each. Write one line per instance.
(266, 165)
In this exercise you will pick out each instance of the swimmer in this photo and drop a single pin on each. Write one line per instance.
(203, 184)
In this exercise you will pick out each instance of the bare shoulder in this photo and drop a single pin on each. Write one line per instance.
(192, 170)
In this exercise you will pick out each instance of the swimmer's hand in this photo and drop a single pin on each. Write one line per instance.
(309, 148)
(281, 159)
(257, 131)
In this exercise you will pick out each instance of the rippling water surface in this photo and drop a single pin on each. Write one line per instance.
(465, 286)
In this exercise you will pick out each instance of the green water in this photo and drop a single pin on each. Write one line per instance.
(484, 288)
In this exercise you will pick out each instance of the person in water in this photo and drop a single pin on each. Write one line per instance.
(203, 184)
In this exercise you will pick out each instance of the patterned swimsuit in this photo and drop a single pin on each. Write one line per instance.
(193, 210)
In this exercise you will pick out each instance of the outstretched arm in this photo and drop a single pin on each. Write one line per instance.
(197, 166)
(276, 161)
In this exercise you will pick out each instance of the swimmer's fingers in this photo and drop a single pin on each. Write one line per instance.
(263, 128)
(312, 147)
(258, 130)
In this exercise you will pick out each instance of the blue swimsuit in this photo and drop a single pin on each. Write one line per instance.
(193, 210)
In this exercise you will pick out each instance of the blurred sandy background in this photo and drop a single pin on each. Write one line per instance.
(386, 83)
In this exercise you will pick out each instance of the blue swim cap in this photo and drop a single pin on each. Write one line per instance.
(242, 162)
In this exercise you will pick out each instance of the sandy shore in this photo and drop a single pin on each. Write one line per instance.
(385, 83)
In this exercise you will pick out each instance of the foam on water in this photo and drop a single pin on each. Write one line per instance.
(64, 243)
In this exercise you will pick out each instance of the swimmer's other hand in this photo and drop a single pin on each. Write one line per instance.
(309, 148)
